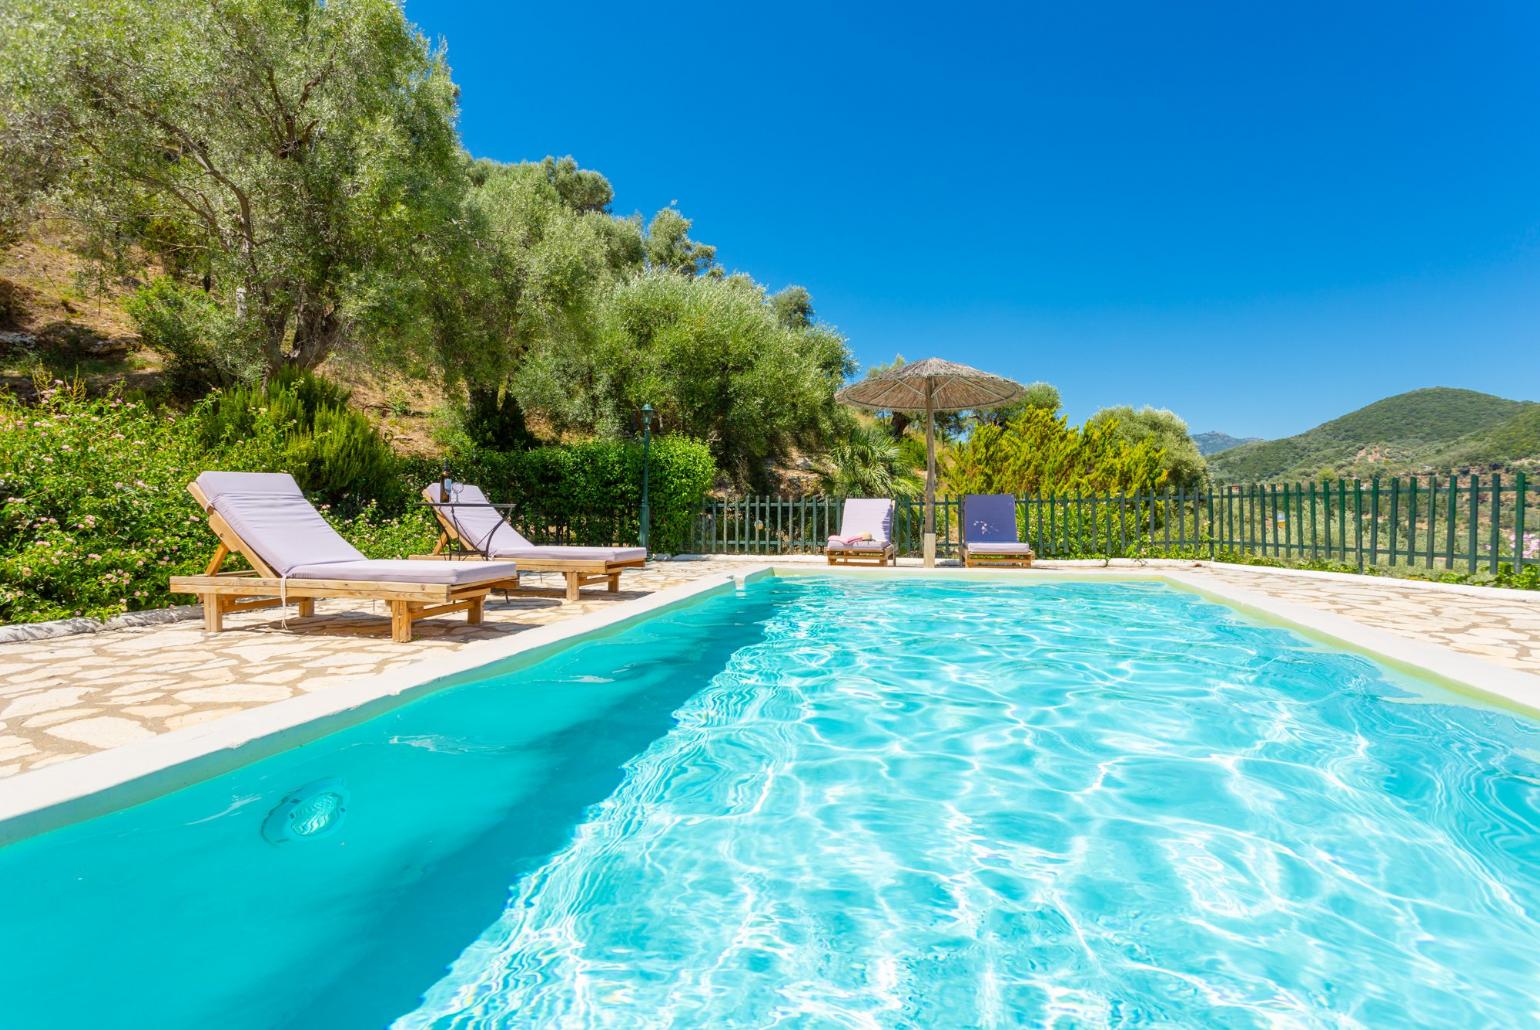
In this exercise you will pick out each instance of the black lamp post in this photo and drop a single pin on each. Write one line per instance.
(646, 463)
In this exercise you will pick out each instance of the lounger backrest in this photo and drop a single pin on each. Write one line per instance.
(989, 519)
(867, 515)
(271, 516)
(482, 529)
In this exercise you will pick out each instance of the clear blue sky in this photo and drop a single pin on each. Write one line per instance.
(1260, 216)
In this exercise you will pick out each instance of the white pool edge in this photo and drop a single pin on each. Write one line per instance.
(1466, 674)
(93, 785)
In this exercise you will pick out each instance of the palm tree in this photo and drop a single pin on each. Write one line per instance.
(867, 463)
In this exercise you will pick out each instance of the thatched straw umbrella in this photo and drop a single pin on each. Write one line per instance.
(930, 386)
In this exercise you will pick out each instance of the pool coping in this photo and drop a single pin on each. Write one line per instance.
(93, 785)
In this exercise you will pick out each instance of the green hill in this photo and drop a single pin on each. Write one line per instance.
(1213, 443)
(1435, 429)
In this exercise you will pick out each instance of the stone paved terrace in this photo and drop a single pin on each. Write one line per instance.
(70, 696)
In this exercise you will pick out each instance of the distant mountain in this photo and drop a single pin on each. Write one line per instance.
(1213, 443)
(1431, 430)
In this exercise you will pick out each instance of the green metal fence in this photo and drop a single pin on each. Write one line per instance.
(1460, 523)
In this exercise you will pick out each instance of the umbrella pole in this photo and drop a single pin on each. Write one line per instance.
(930, 474)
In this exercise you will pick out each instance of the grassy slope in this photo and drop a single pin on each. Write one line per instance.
(1514, 441)
(74, 325)
(1426, 428)
(77, 326)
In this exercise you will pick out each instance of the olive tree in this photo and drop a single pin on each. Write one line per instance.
(297, 156)
(712, 354)
(1165, 431)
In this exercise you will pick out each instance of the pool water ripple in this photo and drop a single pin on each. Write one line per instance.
(922, 803)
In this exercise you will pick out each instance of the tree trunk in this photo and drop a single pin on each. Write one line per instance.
(275, 326)
(316, 328)
(494, 419)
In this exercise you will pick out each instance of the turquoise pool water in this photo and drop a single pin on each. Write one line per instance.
(828, 802)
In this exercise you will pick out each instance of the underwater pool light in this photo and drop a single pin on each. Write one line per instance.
(311, 811)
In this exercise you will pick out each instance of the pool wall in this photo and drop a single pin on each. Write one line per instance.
(94, 785)
(84, 788)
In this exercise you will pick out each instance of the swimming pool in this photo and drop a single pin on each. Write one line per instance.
(834, 801)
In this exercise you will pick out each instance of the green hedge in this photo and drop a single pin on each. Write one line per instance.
(95, 516)
(591, 492)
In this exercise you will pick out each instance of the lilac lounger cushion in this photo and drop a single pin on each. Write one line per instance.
(836, 544)
(990, 519)
(865, 515)
(485, 529)
(998, 547)
(269, 513)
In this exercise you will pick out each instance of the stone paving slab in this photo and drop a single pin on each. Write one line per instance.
(70, 696)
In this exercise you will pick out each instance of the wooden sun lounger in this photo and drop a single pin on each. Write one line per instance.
(577, 572)
(861, 556)
(225, 593)
(990, 534)
(870, 518)
(1014, 559)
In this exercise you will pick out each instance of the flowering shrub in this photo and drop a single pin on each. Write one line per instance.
(1530, 545)
(94, 512)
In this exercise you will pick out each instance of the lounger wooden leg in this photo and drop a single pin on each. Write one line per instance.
(306, 606)
(213, 613)
(473, 613)
(572, 586)
(220, 554)
(614, 582)
(401, 622)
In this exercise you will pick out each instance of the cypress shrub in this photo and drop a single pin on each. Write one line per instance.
(332, 450)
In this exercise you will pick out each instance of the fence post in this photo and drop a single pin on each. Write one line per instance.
(1432, 520)
(1342, 518)
(1272, 519)
(1374, 521)
(1475, 513)
(1395, 518)
(1452, 511)
(1326, 516)
(1123, 522)
(1411, 520)
(1232, 535)
(1299, 520)
(1095, 535)
(1496, 517)
(1358, 522)
(1209, 511)
(1314, 538)
(1284, 537)
(1181, 519)
(1521, 501)
(1049, 540)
